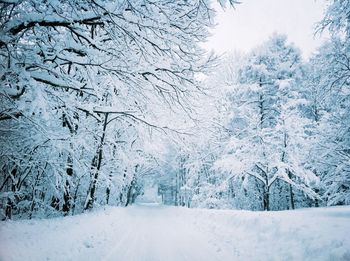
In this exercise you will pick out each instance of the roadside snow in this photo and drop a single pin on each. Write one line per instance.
(153, 232)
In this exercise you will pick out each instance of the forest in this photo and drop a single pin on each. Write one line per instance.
(100, 99)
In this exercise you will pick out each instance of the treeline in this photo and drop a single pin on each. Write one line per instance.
(276, 132)
(97, 96)
(83, 85)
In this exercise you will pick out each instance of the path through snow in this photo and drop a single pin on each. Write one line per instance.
(155, 233)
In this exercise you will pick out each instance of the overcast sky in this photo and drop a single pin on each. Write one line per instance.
(253, 21)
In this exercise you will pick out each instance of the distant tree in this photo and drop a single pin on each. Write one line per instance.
(267, 129)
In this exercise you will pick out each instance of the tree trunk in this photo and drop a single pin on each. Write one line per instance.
(266, 198)
(291, 194)
(75, 197)
(10, 204)
(67, 198)
(32, 205)
(129, 194)
(292, 204)
(8, 209)
(95, 167)
(316, 199)
(177, 189)
(108, 192)
(108, 189)
(67, 193)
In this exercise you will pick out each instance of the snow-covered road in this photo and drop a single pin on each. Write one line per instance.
(160, 234)
(151, 233)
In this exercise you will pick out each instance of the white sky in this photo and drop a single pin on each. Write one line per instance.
(253, 21)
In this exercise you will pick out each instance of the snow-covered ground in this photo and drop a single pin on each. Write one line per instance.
(153, 232)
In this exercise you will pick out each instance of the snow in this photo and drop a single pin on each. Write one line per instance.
(155, 232)
(150, 195)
